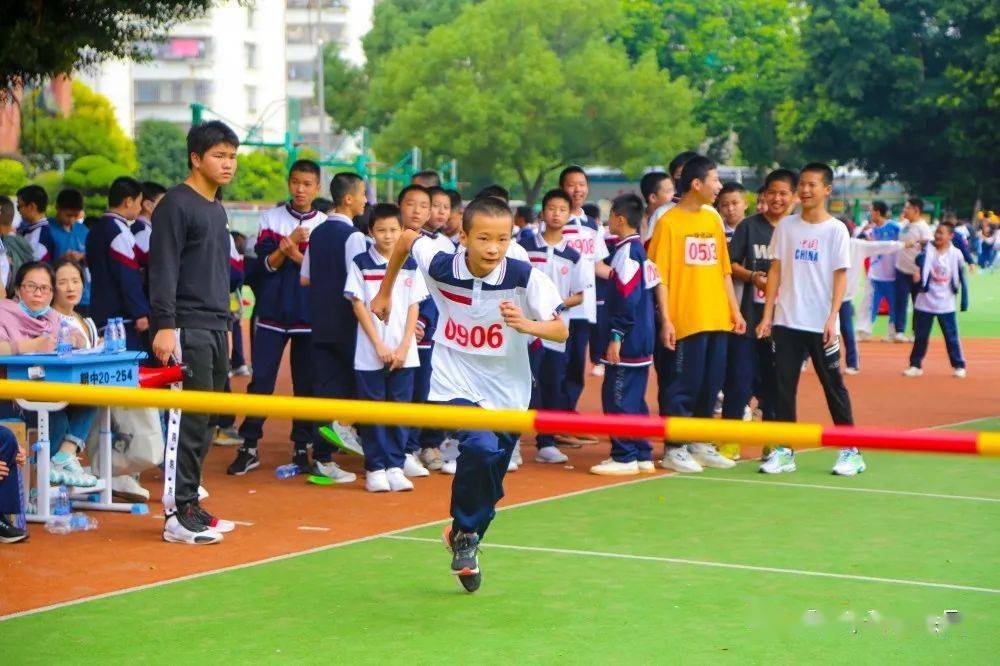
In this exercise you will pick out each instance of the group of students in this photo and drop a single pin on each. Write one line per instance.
(425, 300)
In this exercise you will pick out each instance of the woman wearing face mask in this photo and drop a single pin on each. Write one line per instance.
(30, 325)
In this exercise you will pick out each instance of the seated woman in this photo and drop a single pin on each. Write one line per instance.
(30, 325)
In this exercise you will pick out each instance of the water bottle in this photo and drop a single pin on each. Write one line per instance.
(62, 505)
(64, 342)
(110, 337)
(121, 337)
(287, 471)
(81, 522)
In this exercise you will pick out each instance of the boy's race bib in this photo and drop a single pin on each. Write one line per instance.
(700, 251)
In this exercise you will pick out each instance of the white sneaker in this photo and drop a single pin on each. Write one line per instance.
(348, 438)
(959, 372)
(550, 454)
(779, 459)
(718, 403)
(913, 371)
(512, 466)
(430, 458)
(747, 413)
(449, 467)
(397, 479)
(65, 469)
(127, 487)
(849, 463)
(377, 481)
(332, 471)
(412, 467)
(516, 456)
(200, 535)
(900, 337)
(678, 459)
(646, 467)
(852, 371)
(202, 493)
(805, 366)
(707, 455)
(611, 467)
(242, 371)
(597, 371)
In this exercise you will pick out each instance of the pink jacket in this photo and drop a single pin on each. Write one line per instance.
(16, 326)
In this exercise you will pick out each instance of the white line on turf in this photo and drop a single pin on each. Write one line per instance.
(844, 488)
(318, 549)
(718, 565)
(310, 528)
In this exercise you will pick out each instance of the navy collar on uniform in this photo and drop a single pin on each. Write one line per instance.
(301, 217)
(117, 218)
(627, 239)
(541, 242)
(429, 234)
(376, 257)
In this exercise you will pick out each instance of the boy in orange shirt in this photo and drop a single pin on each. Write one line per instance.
(689, 249)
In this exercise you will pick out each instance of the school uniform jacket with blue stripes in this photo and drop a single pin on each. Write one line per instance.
(116, 283)
(629, 303)
(39, 237)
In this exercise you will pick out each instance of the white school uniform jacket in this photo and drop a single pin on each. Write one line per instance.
(861, 249)
(476, 356)
(561, 264)
(363, 282)
(586, 237)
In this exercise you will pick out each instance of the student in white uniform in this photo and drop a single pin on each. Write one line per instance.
(385, 356)
(490, 308)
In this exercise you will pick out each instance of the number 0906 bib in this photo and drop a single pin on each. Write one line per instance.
(474, 329)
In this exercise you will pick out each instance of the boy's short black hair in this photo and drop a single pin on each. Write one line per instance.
(731, 186)
(69, 199)
(822, 169)
(881, 206)
(524, 212)
(151, 190)
(779, 175)
(305, 166)
(122, 188)
(342, 184)
(631, 207)
(201, 138)
(322, 204)
(571, 169)
(650, 183)
(430, 174)
(557, 193)
(916, 202)
(696, 168)
(592, 210)
(456, 199)
(411, 188)
(680, 160)
(949, 225)
(488, 206)
(383, 211)
(495, 191)
(34, 194)
(437, 191)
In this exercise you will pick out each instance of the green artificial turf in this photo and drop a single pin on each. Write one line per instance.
(981, 320)
(390, 600)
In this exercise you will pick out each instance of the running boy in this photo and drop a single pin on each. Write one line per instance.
(549, 252)
(491, 307)
(386, 355)
(702, 310)
(806, 282)
(629, 347)
(942, 273)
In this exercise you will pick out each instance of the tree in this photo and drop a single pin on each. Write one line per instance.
(517, 89)
(345, 87)
(260, 176)
(396, 23)
(41, 39)
(740, 55)
(91, 129)
(12, 177)
(905, 89)
(161, 148)
(93, 175)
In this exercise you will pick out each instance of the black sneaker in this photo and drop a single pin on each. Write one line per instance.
(9, 533)
(246, 460)
(217, 524)
(464, 547)
(301, 459)
(186, 526)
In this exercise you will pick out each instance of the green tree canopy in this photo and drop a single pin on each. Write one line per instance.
(905, 89)
(345, 87)
(91, 129)
(260, 176)
(40, 39)
(395, 23)
(517, 89)
(740, 55)
(12, 177)
(93, 175)
(161, 147)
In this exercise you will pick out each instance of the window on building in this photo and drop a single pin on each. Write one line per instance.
(252, 100)
(147, 92)
(301, 71)
(202, 91)
(251, 56)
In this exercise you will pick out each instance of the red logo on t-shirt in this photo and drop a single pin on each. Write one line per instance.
(564, 270)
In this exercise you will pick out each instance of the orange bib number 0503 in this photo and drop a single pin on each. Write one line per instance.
(700, 251)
